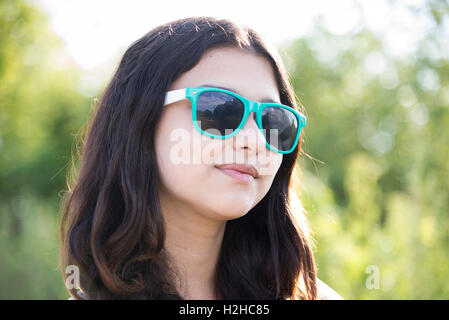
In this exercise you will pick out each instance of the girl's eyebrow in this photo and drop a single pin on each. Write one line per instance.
(235, 91)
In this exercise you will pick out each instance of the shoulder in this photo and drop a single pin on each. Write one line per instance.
(325, 292)
(81, 294)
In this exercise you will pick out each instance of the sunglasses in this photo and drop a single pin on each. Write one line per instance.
(219, 113)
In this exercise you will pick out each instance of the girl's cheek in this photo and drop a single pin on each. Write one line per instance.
(205, 150)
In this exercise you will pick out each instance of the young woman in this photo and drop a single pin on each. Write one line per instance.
(184, 189)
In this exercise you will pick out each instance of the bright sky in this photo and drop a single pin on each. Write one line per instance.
(97, 32)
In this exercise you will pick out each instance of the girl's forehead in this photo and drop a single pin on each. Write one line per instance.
(250, 75)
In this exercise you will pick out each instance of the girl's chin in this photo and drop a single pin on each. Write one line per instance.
(231, 213)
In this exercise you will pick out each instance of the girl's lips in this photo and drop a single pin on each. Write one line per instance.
(240, 177)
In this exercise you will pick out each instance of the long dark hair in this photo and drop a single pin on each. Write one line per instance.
(112, 225)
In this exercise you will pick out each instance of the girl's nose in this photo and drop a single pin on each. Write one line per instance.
(249, 137)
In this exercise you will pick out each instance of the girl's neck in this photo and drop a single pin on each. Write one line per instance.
(193, 243)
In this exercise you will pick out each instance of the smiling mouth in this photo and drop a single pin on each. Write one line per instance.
(243, 174)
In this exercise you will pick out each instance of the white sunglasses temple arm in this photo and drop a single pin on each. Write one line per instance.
(174, 96)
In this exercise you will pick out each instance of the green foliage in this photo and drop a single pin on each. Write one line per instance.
(378, 199)
(40, 113)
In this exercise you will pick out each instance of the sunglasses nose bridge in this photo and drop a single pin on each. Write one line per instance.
(254, 106)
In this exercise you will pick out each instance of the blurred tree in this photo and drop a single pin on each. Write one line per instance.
(40, 113)
(381, 127)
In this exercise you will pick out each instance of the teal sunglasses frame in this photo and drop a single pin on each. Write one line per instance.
(193, 93)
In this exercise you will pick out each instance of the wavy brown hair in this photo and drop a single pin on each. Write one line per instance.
(112, 226)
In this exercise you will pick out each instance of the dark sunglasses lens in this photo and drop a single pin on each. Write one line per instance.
(280, 127)
(219, 112)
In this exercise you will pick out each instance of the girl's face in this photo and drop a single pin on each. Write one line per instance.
(188, 160)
